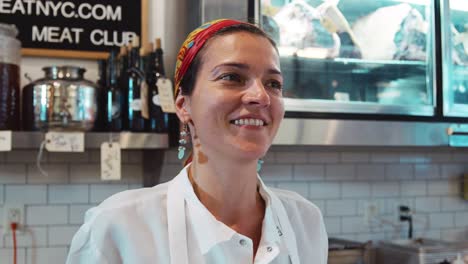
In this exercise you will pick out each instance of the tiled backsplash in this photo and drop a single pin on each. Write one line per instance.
(343, 182)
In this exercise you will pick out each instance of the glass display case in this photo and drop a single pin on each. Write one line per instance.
(454, 26)
(355, 56)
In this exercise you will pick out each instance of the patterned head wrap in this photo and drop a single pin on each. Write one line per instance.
(194, 42)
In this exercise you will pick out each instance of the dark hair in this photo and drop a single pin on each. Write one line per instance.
(188, 81)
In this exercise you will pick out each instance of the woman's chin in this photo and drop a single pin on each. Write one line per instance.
(252, 152)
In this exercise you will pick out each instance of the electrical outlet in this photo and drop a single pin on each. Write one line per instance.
(12, 213)
(371, 211)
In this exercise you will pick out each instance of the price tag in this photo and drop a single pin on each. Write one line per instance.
(5, 140)
(166, 95)
(110, 161)
(64, 141)
(144, 100)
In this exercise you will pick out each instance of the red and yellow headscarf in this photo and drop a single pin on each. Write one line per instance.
(194, 42)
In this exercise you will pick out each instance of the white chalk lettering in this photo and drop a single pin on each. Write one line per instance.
(41, 9)
(81, 11)
(93, 37)
(39, 35)
(66, 35)
(66, 9)
(55, 8)
(5, 6)
(77, 32)
(99, 12)
(18, 6)
(56, 34)
(69, 14)
(53, 34)
(105, 38)
(29, 4)
(114, 14)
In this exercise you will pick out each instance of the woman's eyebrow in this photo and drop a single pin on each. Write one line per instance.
(274, 71)
(241, 66)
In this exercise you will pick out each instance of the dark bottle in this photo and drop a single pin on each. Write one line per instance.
(122, 63)
(102, 72)
(134, 81)
(100, 124)
(114, 98)
(158, 120)
(122, 83)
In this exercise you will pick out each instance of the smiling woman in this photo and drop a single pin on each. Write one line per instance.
(217, 210)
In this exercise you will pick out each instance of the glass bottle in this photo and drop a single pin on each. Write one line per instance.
(122, 83)
(101, 124)
(134, 80)
(158, 120)
(114, 97)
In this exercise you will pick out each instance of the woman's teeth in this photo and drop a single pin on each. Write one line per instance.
(248, 121)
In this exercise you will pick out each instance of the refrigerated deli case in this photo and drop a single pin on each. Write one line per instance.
(400, 64)
(454, 35)
(355, 57)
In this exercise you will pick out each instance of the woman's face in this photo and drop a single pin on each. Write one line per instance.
(236, 106)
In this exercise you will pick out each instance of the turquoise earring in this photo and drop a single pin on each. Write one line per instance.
(259, 165)
(182, 141)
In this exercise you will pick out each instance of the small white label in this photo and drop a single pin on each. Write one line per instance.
(144, 100)
(64, 141)
(136, 105)
(5, 140)
(339, 96)
(155, 100)
(166, 95)
(110, 161)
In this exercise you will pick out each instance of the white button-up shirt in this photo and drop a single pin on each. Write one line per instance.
(168, 224)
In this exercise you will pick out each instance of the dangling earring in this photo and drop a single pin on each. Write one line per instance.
(259, 164)
(182, 141)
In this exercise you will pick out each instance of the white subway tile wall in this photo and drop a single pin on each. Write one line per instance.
(343, 183)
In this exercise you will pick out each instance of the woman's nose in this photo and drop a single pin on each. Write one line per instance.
(257, 95)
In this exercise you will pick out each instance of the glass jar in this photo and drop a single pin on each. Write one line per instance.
(62, 100)
(10, 55)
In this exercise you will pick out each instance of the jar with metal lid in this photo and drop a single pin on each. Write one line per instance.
(62, 100)
(10, 55)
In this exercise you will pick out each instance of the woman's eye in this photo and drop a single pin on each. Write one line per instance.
(231, 77)
(275, 84)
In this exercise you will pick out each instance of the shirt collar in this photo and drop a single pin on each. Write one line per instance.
(209, 231)
(271, 231)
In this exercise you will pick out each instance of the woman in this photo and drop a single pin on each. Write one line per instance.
(217, 210)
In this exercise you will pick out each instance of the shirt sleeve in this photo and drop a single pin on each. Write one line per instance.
(83, 250)
(324, 238)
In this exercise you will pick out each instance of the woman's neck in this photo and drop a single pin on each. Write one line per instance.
(228, 191)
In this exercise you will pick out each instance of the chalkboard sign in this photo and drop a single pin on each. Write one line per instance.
(75, 28)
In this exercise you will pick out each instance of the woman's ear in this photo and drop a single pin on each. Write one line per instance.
(182, 103)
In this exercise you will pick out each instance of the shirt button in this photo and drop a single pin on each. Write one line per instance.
(269, 249)
(242, 242)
